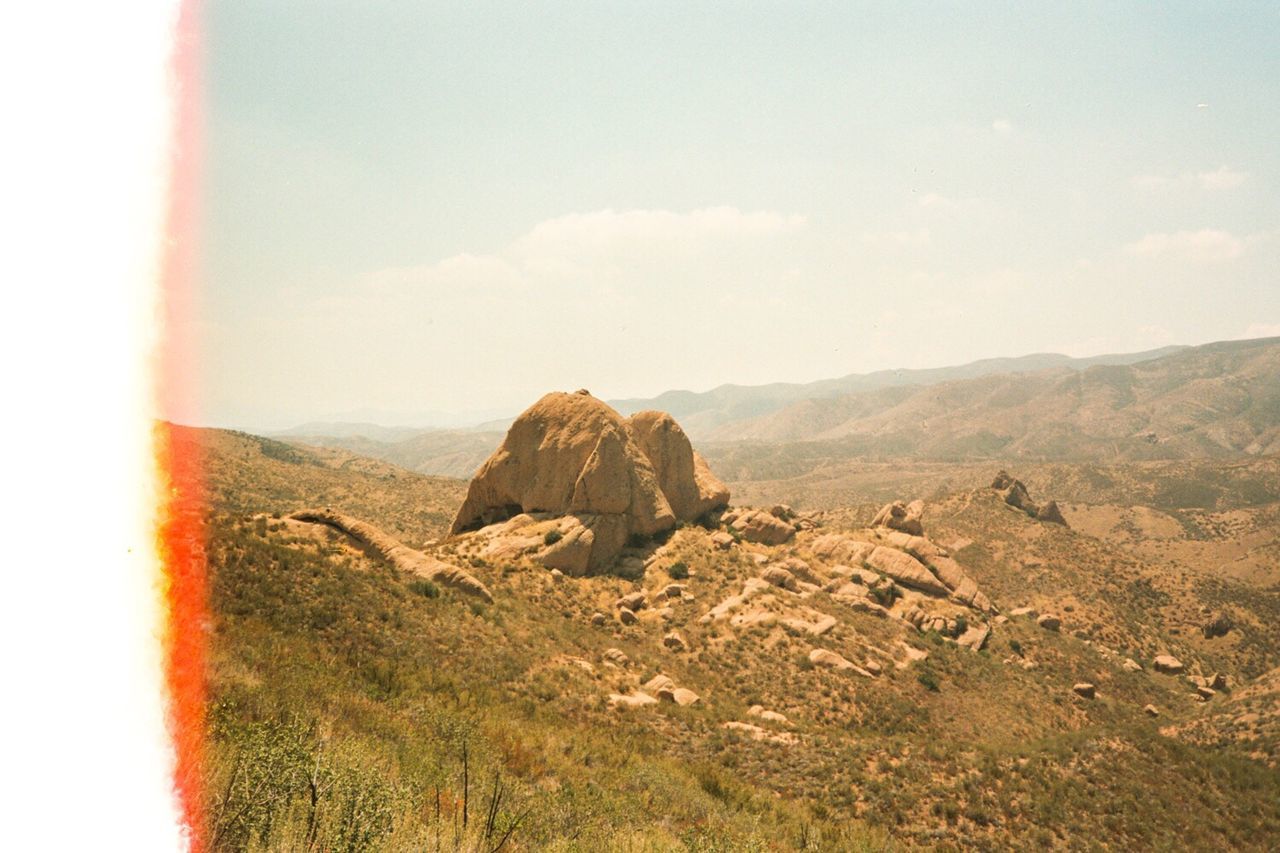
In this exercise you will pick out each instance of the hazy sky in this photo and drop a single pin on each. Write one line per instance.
(413, 207)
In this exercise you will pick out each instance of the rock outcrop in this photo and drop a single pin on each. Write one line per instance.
(1015, 494)
(906, 570)
(391, 550)
(756, 525)
(683, 476)
(909, 518)
(572, 455)
(1167, 664)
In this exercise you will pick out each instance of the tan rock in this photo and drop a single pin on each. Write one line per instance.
(974, 637)
(1030, 612)
(757, 733)
(1049, 622)
(1167, 664)
(1085, 689)
(391, 550)
(683, 476)
(627, 616)
(770, 716)
(906, 570)
(659, 682)
(631, 700)
(572, 455)
(1049, 512)
(1206, 693)
(759, 526)
(598, 619)
(633, 601)
(722, 540)
(899, 516)
(1131, 665)
(779, 577)
(1151, 711)
(681, 696)
(841, 548)
(675, 642)
(824, 657)
(617, 657)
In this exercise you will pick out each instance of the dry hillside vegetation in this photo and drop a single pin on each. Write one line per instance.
(951, 674)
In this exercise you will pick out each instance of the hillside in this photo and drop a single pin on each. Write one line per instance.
(1215, 400)
(704, 413)
(354, 706)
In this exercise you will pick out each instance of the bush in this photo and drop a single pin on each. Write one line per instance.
(928, 679)
(552, 537)
(1016, 646)
(678, 571)
(424, 587)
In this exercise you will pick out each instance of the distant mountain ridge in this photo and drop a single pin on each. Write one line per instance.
(1214, 400)
(703, 413)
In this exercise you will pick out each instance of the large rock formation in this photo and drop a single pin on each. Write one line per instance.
(573, 455)
(683, 476)
(1015, 494)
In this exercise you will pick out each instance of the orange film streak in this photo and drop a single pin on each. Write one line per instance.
(180, 529)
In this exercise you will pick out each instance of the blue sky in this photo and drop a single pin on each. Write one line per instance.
(416, 208)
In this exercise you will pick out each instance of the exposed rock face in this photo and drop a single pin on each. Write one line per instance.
(683, 476)
(780, 577)
(1015, 494)
(1151, 711)
(1085, 690)
(899, 516)
(842, 549)
(572, 455)
(393, 551)
(824, 657)
(756, 525)
(906, 570)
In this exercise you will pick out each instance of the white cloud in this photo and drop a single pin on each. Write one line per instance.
(1221, 178)
(1002, 126)
(1205, 245)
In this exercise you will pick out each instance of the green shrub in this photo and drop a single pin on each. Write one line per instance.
(928, 679)
(679, 571)
(424, 587)
(552, 537)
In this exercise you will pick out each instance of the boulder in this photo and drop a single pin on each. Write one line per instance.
(598, 619)
(617, 657)
(906, 570)
(771, 716)
(1218, 626)
(1151, 711)
(1206, 693)
(631, 700)
(722, 540)
(627, 616)
(779, 577)
(675, 642)
(681, 696)
(1050, 513)
(1049, 622)
(1167, 664)
(659, 682)
(683, 476)
(633, 601)
(572, 455)
(755, 525)
(974, 637)
(1084, 689)
(673, 590)
(1030, 612)
(900, 516)
(1131, 665)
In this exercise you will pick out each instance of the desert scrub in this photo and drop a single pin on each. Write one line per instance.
(552, 537)
(678, 571)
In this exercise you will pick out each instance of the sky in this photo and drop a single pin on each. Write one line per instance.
(418, 213)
